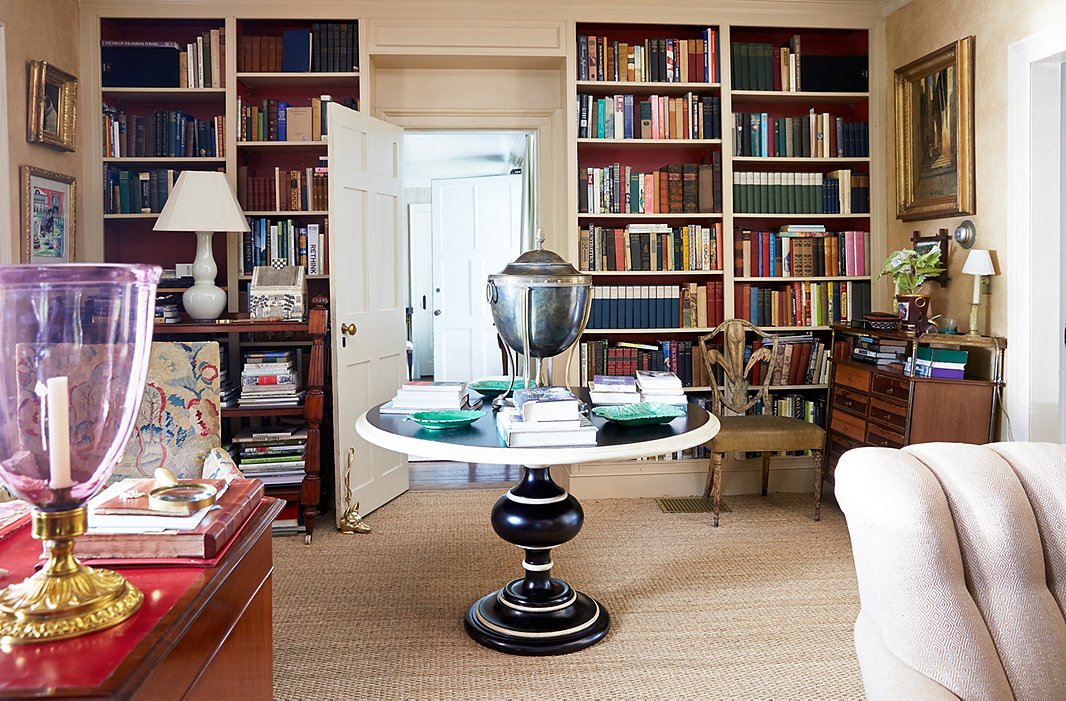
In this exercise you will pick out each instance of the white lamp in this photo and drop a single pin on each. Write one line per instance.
(202, 201)
(978, 263)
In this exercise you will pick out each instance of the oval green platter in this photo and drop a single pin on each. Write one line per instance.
(445, 418)
(640, 414)
(493, 388)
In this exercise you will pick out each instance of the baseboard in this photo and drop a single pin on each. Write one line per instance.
(678, 478)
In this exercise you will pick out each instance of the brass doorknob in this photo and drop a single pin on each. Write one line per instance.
(348, 329)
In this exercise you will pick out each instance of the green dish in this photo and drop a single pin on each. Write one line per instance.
(640, 414)
(444, 419)
(494, 388)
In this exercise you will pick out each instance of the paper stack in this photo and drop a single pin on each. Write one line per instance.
(613, 389)
(272, 454)
(544, 416)
(426, 395)
(270, 378)
(660, 386)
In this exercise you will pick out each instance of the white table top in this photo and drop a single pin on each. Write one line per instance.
(480, 443)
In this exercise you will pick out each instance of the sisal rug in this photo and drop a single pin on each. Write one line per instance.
(760, 608)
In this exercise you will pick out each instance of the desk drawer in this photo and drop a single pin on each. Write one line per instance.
(894, 387)
(848, 400)
(850, 426)
(882, 437)
(888, 414)
(852, 376)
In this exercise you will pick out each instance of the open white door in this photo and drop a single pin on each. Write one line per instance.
(367, 277)
(477, 230)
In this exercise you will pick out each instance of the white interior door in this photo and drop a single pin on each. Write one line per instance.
(367, 259)
(421, 238)
(477, 229)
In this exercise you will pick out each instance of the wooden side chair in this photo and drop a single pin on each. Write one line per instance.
(762, 434)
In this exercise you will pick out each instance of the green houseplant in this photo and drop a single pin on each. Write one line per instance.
(910, 270)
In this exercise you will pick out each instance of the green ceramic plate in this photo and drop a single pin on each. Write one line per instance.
(445, 418)
(493, 388)
(640, 414)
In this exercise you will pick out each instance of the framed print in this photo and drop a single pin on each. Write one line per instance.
(51, 106)
(934, 134)
(49, 205)
(938, 241)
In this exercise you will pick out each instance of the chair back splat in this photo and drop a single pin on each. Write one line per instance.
(732, 376)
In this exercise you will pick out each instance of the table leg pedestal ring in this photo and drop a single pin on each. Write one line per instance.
(538, 614)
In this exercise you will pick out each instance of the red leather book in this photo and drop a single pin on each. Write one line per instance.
(206, 540)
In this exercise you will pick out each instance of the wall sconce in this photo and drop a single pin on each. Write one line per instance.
(965, 234)
(978, 263)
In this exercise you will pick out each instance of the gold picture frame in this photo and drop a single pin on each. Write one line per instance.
(934, 134)
(51, 106)
(49, 216)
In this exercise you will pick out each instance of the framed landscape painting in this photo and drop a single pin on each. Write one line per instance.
(934, 134)
(48, 216)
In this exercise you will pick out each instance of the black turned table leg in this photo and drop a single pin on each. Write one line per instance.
(538, 614)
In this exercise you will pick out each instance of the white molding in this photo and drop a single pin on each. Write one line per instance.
(9, 239)
(1028, 324)
(890, 6)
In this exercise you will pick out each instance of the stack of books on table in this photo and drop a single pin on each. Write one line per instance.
(661, 386)
(270, 378)
(944, 363)
(544, 416)
(613, 389)
(122, 524)
(426, 395)
(882, 352)
(272, 454)
(167, 310)
(288, 521)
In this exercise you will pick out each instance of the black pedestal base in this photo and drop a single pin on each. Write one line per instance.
(579, 623)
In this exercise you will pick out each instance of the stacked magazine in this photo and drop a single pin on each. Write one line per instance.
(272, 454)
(544, 416)
(270, 378)
(613, 389)
(660, 386)
(427, 395)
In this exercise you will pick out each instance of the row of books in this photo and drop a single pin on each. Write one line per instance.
(274, 455)
(656, 117)
(167, 308)
(428, 395)
(673, 188)
(271, 378)
(837, 192)
(657, 59)
(202, 63)
(295, 190)
(883, 353)
(809, 251)
(292, 243)
(812, 135)
(802, 303)
(798, 360)
(679, 356)
(162, 134)
(324, 47)
(944, 363)
(131, 191)
(651, 247)
(786, 68)
(541, 416)
(657, 306)
(653, 386)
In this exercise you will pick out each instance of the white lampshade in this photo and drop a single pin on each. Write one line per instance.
(979, 262)
(201, 201)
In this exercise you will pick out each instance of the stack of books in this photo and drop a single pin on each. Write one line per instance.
(270, 378)
(544, 416)
(167, 309)
(288, 521)
(882, 352)
(272, 454)
(942, 363)
(613, 389)
(661, 386)
(427, 395)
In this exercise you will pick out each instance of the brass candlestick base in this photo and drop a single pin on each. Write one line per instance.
(65, 598)
(973, 320)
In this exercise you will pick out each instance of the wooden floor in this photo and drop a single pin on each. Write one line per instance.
(462, 475)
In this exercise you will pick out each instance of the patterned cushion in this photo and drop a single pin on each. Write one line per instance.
(219, 465)
(179, 423)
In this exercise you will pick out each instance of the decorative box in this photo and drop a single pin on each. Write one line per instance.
(278, 293)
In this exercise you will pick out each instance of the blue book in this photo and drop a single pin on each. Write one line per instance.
(628, 110)
(296, 51)
(283, 108)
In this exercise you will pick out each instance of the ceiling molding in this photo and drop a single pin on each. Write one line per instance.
(890, 6)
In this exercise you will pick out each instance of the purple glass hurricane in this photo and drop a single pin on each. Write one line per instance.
(90, 324)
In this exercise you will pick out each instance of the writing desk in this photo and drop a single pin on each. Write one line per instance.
(201, 633)
(537, 614)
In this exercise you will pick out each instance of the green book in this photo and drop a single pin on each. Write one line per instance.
(942, 355)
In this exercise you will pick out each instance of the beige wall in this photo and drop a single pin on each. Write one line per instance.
(43, 31)
(923, 26)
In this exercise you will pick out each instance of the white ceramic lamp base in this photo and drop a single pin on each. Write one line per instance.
(204, 300)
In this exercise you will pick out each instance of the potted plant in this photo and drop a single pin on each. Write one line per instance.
(910, 270)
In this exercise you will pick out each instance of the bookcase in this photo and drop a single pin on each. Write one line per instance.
(746, 194)
(242, 95)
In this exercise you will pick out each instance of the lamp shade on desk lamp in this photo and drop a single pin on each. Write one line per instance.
(202, 202)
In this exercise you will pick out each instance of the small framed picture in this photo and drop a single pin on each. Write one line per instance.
(938, 242)
(49, 204)
(51, 106)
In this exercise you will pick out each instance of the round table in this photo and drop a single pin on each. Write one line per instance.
(537, 614)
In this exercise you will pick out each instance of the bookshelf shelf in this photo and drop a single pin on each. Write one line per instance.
(655, 143)
(798, 215)
(655, 273)
(165, 159)
(317, 80)
(799, 160)
(164, 94)
(136, 215)
(645, 88)
(805, 278)
(668, 216)
(746, 97)
(317, 146)
(287, 213)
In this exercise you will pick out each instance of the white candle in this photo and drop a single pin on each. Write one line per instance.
(58, 434)
(976, 289)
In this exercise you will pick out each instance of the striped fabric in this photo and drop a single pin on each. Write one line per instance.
(960, 552)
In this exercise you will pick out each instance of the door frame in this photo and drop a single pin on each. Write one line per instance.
(1035, 319)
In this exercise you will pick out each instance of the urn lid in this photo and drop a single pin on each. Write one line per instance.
(540, 267)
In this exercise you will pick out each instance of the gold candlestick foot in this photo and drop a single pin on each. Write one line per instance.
(65, 598)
